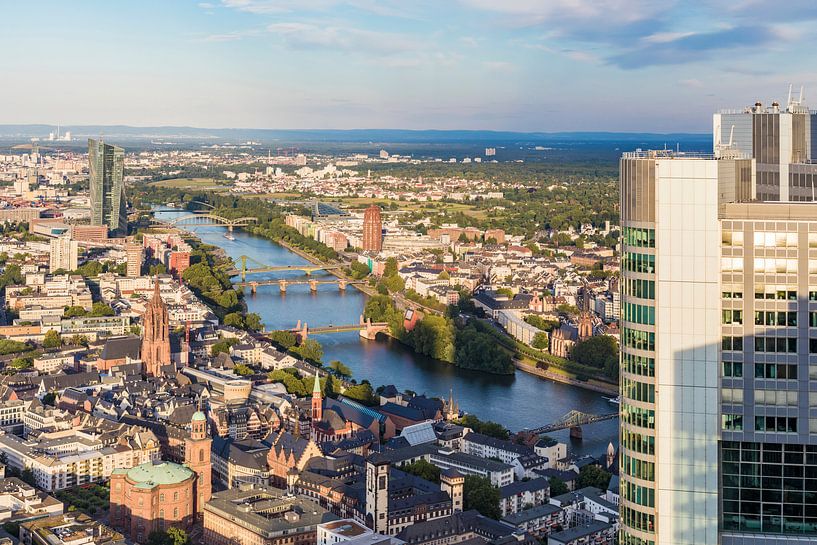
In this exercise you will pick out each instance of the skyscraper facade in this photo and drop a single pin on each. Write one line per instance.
(372, 229)
(670, 343)
(106, 165)
(782, 140)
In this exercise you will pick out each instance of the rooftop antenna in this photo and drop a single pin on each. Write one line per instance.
(788, 103)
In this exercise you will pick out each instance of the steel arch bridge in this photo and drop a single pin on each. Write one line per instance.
(213, 220)
(573, 419)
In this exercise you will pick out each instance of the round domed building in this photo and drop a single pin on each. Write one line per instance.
(157, 495)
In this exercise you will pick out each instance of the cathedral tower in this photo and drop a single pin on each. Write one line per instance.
(156, 334)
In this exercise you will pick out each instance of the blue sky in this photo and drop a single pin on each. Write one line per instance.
(528, 65)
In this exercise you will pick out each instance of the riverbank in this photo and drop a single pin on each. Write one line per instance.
(592, 385)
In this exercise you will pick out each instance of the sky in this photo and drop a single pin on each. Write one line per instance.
(520, 65)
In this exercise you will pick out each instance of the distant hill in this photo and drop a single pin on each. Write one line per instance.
(339, 135)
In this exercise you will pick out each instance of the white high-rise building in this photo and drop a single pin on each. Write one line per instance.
(64, 254)
(670, 340)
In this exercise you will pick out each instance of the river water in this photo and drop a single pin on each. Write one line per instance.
(517, 402)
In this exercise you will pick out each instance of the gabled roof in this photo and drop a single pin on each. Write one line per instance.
(119, 347)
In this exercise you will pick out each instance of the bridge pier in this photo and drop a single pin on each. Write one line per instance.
(253, 287)
(313, 286)
(342, 285)
(576, 433)
(282, 286)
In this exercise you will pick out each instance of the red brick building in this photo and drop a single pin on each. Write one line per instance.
(156, 496)
(372, 229)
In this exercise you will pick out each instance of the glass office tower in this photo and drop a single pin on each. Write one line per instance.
(106, 164)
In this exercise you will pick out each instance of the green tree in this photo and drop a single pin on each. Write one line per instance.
(21, 363)
(253, 322)
(158, 268)
(477, 350)
(541, 323)
(8, 346)
(291, 382)
(339, 369)
(444, 275)
(74, 311)
(593, 475)
(285, 339)
(507, 292)
(363, 393)
(52, 339)
(540, 341)
(242, 370)
(480, 494)
(485, 427)
(223, 345)
(50, 399)
(234, 319)
(557, 487)
(390, 268)
(434, 336)
(330, 389)
(101, 309)
(424, 470)
(310, 350)
(600, 352)
(359, 270)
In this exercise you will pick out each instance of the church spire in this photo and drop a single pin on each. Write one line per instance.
(317, 402)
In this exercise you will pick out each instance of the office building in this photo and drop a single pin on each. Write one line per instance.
(64, 252)
(719, 345)
(106, 166)
(372, 229)
(262, 515)
(670, 341)
(783, 142)
(133, 256)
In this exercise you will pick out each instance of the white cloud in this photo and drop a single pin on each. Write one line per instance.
(311, 36)
(692, 83)
(499, 66)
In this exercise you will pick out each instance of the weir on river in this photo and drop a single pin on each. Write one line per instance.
(516, 402)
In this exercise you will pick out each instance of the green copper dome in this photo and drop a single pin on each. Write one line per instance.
(199, 416)
(149, 474)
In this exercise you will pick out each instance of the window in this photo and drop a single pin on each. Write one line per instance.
(784, 345)
(175, 496)
(640, 263)
(732, 343)
(641, 238)
(175, 512)
(640, 340)
(732, 316)
(732, 238)
(732, 264)
(776, 424)
(733, 369)
(776, 371)
(780, 398)
(636, 287)
(162, 497)
(779, 318)
(732, 395)
(732, 422)
(640, 314)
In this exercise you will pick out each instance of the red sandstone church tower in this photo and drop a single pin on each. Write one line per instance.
(197, 458)
(317, 403)
(156, 334)
(372, 229)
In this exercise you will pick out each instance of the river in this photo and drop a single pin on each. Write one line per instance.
(517, 402)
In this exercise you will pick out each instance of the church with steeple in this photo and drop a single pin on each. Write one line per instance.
(155, 351)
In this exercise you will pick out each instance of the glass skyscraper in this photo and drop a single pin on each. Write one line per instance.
(106, 164)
